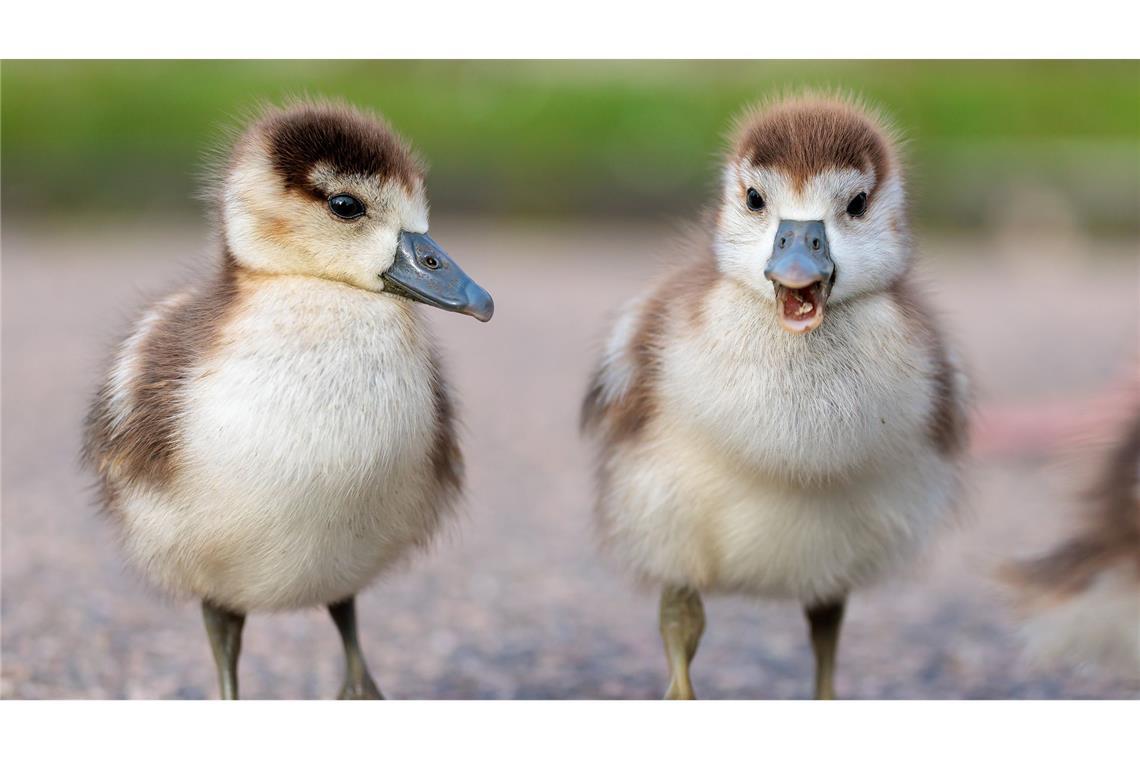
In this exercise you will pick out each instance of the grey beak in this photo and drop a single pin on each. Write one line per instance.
(800, 255)
(424, 272)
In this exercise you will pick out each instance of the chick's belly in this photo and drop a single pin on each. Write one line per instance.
(683, 516)
(298, 487)
(277, 548)
(292, 505)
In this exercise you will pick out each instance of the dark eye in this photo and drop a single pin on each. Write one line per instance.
(755, 200)
(346, 207)
(858, 205)
(431, 262)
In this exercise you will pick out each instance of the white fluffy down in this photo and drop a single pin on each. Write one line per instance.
(304, 460)
(777, 464)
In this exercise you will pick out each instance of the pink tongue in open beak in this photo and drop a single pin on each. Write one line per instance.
(801, 309)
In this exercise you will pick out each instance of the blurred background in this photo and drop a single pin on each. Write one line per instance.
(616, 139)
(1025, 178)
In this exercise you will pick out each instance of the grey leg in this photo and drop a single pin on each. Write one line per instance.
(682, 623)
(825, 620)
(224, 629)
(358, 684)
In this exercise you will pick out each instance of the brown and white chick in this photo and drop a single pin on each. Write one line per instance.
(779, 416)
(278, 434)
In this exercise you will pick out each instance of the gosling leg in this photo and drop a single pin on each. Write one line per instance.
(358, 684)
(682, 623)
(825, 620)
(224, 629)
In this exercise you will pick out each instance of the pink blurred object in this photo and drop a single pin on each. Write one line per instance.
(1048, 427)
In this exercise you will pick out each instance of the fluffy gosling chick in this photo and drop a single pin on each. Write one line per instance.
(1083, 597)
(278, 434)
(780, 416)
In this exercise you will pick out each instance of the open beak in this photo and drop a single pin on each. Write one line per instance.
(423, 272)
(801, 271)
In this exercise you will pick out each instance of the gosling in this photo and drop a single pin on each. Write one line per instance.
(1082, 598)
(780, 416)
(278, 434)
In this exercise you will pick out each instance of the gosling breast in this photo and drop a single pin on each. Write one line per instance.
(271, 442)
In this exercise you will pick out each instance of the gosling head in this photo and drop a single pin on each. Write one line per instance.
(813, 207)
(328, 191)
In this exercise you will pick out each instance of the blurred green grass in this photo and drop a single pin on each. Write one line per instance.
(607, 138)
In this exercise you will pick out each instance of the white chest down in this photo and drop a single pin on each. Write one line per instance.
(784, 466)
(305, 460)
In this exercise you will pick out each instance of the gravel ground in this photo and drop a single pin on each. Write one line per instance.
(516, 602)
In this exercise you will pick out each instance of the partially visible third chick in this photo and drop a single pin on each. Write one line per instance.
(1083, 596)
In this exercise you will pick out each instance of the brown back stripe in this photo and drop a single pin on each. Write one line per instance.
(446, 456)
(143, 447)
(623, 418)
(947, 426)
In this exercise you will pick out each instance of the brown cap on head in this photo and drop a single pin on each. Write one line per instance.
(806, 135)
(349, 141)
